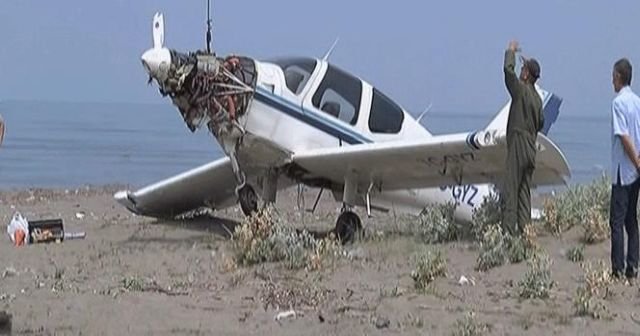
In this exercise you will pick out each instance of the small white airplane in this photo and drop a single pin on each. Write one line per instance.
(297, 120)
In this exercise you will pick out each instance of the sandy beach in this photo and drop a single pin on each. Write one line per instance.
(138, 276)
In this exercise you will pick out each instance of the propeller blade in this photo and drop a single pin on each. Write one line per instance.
(158, 31)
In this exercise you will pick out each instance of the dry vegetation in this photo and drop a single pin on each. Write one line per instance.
(436, 225)
(488, 215)
(264, 237)
(576, 253)
(537, 282)
(498, 247)
(429, 266)
(590, 297)
(420, 274)
(586, 205)
(468, 326)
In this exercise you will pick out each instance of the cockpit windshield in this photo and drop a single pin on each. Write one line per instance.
(297, 71)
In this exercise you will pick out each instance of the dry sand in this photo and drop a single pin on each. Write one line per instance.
(136, 276)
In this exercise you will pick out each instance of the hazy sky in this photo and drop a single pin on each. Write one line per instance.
(446, 52)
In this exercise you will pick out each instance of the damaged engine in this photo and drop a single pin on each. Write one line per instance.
(210, 90)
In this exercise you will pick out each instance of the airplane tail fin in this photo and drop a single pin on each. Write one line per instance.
(550, 109)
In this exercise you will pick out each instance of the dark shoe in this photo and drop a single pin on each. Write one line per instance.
(616, 275)
(631, 274)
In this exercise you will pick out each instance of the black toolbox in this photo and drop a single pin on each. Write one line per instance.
(46, 231)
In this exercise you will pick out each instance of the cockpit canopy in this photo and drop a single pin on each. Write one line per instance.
(340, 94)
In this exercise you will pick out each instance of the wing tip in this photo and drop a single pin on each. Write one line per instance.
(123, 197)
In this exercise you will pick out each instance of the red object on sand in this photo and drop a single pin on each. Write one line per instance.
(19, 237)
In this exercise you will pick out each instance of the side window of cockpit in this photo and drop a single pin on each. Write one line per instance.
(296, 77)
(386, 116)
(339, 95)
(297, 72)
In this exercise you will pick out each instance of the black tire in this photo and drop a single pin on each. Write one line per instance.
(248, 200)
(348, 227)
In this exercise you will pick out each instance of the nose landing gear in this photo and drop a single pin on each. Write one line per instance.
(248, 200)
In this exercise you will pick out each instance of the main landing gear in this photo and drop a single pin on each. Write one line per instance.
(348, 227)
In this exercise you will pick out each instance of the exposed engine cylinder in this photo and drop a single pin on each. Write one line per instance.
(210, 90)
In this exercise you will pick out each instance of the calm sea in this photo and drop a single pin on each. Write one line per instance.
(73, 144)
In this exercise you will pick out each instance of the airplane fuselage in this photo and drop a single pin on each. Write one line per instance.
(287, 113)
(290, 121)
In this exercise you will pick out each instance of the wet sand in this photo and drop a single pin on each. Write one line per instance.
(139, 276)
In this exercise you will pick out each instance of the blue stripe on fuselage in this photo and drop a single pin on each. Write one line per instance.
(309, 117)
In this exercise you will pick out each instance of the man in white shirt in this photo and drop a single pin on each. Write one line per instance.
(625, 170)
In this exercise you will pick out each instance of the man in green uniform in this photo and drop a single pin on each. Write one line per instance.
(525, 121)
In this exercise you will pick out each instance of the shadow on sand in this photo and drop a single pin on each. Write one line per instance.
(221, 227)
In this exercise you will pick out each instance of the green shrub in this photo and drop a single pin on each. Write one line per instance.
(429, 266)
(576, 253)
(537, 281)
(589, 299)
(487, 215)
(436, 224)
(263, 237)
(579, 204)
(468, 326)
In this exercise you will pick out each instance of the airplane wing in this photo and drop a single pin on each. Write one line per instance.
(464, 158)
(211, 185)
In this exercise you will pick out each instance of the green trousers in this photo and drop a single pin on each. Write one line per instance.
(517, 184)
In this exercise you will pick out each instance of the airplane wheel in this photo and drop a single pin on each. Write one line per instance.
(248, 200)
(348, 226)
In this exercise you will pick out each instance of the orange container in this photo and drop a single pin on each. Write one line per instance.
(19, 237)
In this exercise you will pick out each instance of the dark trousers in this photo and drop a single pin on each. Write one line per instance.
(623, 214)
(517, 185)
